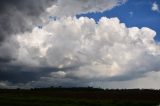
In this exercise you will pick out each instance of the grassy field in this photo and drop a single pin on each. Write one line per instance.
(79, 97)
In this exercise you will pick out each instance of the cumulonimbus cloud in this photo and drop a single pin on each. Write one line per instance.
(99, 50)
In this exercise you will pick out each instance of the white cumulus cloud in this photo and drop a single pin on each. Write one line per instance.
(155, 7)
(73, 7)
(103, 50)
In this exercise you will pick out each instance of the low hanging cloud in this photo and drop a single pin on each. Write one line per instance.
(71, 51)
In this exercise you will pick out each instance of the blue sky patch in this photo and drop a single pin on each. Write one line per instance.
(137, 13)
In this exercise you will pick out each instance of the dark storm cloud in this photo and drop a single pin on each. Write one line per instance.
(17, 16)
(20, 74)
(5, 60)
(23, 74)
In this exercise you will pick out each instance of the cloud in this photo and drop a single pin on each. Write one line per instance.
(16, 74)
(148, 81)
(19, 16)
(71, 51)
(155, 7)
(6, 84)
(103, 51)
(131, 14)
(74, 7)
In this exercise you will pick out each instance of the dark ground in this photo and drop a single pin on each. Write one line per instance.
(79, 97)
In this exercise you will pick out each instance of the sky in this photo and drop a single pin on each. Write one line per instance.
(80, 43)
(134, 13)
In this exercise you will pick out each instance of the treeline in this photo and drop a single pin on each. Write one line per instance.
(88, 93)
(70, 88)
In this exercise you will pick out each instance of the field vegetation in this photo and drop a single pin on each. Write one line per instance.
(79, 97)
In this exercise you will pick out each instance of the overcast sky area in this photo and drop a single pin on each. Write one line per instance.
(79, 43)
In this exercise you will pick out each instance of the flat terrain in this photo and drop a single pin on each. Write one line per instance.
(79, 97)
